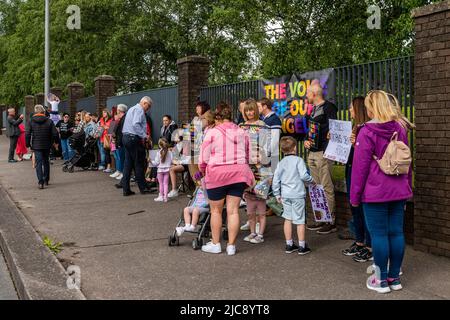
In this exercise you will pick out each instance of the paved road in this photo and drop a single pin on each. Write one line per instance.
(7, 290)
(123, 256)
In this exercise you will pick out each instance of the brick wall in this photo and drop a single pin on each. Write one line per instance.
(75, 93)
(432, 103)
(2, 109)
(193, 74)
(105, 86)
(40, 98)
(29, 108)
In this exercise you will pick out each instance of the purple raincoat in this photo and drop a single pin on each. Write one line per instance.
(369, 183)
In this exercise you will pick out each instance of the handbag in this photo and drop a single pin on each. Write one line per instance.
(107, 142)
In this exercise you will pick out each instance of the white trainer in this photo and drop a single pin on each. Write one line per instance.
(189, 228)
(250, 237)
(180, 231)
(210, 247)
(246, 226)
(173, 194)
(119, 176)
(115, 174)
(231, 250)
(257, 239)
(159, 199)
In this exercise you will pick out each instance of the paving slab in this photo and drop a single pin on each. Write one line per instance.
(123, 256)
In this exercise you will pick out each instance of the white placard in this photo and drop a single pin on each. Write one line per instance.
(319, 204)
(339, 146)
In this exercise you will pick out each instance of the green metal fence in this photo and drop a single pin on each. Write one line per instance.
(392, 75)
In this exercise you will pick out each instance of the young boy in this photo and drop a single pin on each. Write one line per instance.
(289, 189)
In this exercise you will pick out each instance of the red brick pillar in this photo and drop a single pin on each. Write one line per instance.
(432, 112)
(75, 92)
(40, 99)
(29, 108)
(2, 109)
(193, 74)
(105, 86)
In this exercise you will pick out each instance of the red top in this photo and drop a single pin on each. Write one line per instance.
(105, 127)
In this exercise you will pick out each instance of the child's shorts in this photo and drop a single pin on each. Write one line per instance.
(256, 206)
(200, 209)
(294, 210)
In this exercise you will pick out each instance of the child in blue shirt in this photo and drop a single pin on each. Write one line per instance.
(289, 189)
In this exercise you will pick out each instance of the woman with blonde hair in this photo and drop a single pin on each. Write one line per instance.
(382, 196)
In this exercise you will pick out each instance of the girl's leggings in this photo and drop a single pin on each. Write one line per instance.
(163, 180)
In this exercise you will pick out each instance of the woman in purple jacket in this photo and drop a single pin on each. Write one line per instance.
(382, 196)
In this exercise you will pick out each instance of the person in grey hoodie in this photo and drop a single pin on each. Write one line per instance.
(289, 188)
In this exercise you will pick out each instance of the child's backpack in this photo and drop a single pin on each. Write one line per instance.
(396, 159)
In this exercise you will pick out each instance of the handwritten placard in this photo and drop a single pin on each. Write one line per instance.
(339, 146)
(319, 204)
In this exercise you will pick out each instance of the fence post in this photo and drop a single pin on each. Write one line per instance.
(29, 108)
(193, 74)
(105, 86)
(75, 92)
(2, 109)
(432, 111)
(40, 98)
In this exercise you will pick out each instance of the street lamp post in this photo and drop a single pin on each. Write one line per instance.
(47, 50)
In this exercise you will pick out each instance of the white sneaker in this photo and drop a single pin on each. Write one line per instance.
(245, 227)
(231, 250)
(257, 239)
(119, 176)
(189, 228)
(250, 237)
(210, 247)
(159, 199)
(173, 194)
(180, 231)
(115, 174)
(107, 171)
(101, 168)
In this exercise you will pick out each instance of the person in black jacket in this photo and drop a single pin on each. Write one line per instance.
(168, 129)
(40, 136)
(13, 132)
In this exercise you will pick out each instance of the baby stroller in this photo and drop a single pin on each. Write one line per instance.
(84, 152)
(203, 226)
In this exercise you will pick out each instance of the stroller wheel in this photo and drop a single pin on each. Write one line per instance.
(171, 238)
(197, 243)
(225, 234)
(71, 169)
(64, 169)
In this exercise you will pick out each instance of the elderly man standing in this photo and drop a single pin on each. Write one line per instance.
(134, 137)
(13, 132)
(321, 167)
(40, 136)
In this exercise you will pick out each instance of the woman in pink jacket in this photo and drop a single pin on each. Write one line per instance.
(224, 158)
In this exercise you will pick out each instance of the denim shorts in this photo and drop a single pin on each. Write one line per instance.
(294, 210)
(220, 193)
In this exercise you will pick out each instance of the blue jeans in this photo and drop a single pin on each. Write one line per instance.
(42, 158)
(67, 151)
(102, 153)
(385, 223)
(119, 163)
(362, 235)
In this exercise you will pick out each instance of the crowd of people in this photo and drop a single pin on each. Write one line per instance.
(225, 161)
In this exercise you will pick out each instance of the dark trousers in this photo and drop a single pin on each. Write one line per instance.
(12, 146)
(134, 159)
(42, 158)
(362, 234)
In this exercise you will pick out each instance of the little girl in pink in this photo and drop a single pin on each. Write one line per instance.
(163, 161)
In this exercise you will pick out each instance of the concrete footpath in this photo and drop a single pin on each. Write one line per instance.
(123, 255)
(7, 290)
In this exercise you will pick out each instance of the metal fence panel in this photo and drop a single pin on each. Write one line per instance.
(165, 101)
(88, 104)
